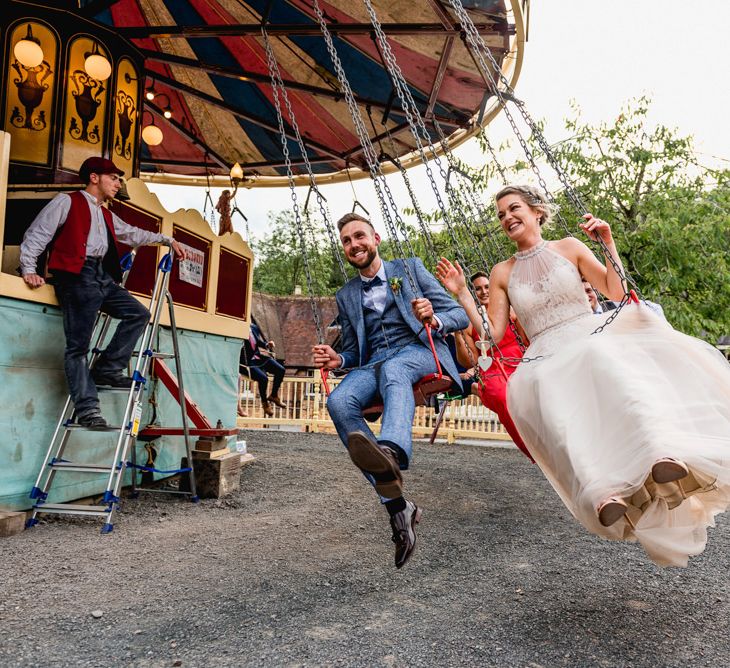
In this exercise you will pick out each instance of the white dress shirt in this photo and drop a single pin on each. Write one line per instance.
(376, 297)
(54, 214)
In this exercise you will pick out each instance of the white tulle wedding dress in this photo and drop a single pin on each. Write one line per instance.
(598, 410)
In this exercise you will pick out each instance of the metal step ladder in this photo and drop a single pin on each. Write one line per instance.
(128, 430)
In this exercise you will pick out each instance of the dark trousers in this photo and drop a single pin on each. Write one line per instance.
(258, 374)
(81, 297)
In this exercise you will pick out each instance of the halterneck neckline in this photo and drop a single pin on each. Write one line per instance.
(531, 252)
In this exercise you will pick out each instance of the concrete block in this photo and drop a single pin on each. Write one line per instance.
(218, 477)
(11, 523)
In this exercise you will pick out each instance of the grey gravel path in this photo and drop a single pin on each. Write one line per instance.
(296, 570)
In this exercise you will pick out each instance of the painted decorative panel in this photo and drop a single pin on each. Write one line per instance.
(85, 107)
(141, 279)
(126, 116)
(233, 275)
(30, 97)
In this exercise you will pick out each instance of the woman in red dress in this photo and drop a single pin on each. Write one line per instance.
(492, 390)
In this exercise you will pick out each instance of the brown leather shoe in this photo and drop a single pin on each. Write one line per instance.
(268, 408)
(274, 399)
(377, 460)
(404, 532)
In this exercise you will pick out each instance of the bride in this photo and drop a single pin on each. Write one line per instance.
(631, 425)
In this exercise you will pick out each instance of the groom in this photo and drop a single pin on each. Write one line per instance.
(385, 346)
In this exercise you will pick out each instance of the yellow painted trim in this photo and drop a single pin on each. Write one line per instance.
(5, 139)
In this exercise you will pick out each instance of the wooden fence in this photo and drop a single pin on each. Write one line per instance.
(306, 407)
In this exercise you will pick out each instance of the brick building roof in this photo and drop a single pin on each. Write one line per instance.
(288, 321)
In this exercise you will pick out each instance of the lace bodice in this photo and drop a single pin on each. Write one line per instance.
(545, 290)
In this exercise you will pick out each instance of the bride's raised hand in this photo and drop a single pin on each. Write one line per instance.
(451, 275)
(595, 227)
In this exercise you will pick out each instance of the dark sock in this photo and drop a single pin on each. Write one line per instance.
(394, 506)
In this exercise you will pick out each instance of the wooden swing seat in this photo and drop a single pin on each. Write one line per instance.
(423, 391)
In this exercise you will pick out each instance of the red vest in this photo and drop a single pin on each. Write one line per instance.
(68, 248)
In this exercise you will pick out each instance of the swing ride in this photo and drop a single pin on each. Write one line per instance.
(218, 93)
(258, 93)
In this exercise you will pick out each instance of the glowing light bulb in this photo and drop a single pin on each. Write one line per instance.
(29, 54)
(237, 172)
(98, 67)
(152, 135)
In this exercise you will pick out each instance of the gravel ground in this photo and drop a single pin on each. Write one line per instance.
(296, 570)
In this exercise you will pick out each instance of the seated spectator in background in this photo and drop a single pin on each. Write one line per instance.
(608, 305)
(492, 386)
(257, 360)
(652, 306)
(592, 296)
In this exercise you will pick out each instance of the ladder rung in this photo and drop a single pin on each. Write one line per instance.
(156, 355)
(84, 468)
(77, 427)
(72, 509)
(108, 388)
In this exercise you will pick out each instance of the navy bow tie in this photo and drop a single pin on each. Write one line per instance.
(369, 285)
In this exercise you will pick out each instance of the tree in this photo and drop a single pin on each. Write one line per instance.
(280, 261)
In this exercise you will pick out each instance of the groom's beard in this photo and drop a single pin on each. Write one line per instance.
(365, 263)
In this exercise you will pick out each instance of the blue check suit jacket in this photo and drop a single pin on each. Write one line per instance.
(451, 315)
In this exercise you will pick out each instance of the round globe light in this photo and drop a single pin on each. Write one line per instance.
(98, 67)
(152, 135)
(28, 53)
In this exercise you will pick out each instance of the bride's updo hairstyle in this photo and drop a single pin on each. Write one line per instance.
(533, 197)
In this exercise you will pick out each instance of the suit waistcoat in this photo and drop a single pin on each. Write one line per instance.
(386, 329)
(68, 248)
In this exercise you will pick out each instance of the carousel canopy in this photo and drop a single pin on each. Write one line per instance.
(206, 66)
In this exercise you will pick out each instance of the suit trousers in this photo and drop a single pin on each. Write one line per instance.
(391, 378)
(81, 297)
(258, 373)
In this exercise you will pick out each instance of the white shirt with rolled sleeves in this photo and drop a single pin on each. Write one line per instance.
(54, 214)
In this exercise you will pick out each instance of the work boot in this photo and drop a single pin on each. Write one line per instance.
(274, 399)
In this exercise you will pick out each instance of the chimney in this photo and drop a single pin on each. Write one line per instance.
(297, 290)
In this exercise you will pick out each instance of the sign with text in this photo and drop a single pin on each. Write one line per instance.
(191, 269)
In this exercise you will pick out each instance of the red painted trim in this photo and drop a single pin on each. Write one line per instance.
(168, 379)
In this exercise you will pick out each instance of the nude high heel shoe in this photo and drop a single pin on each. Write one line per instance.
(668, 469)
(611, 511)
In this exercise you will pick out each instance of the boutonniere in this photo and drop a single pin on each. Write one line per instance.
(395, 284)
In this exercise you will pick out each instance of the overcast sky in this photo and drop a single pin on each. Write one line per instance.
(597, 53)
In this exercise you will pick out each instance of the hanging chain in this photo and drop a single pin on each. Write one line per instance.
(275, 86)
(495, 160)
(382, 189)
(329, 227)
(208, 198)
(425, 232)
(418, 130)
(479, 47)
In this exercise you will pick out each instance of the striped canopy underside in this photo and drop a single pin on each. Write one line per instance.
(222, 101)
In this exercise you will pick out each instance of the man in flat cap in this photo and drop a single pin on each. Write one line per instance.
(81, 235)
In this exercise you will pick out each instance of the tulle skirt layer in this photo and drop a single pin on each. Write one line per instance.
(599, 410)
